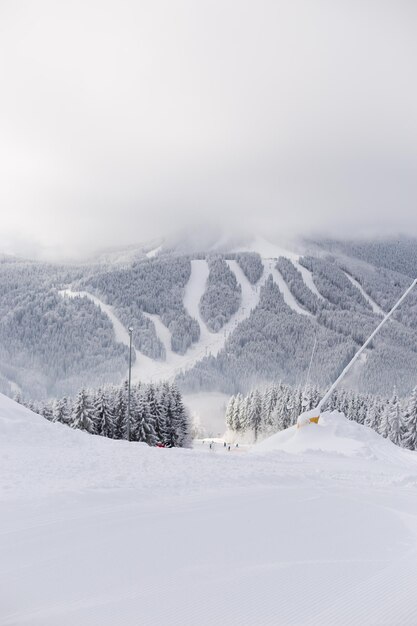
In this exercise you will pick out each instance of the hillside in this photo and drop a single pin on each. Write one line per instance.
(310, 527)
(220, 322)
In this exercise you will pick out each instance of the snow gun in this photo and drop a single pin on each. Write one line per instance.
(313, 416)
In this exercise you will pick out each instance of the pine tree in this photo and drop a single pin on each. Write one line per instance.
(229, 414)
(181, 421)
(384, 421)
(372, 419)
(61, 411)
(255, 413)
(395, 420)
(239, 414)
(410, 423)
(46, 411)
(120, 415)
(146, 430)
(82, 416)
(103, 414)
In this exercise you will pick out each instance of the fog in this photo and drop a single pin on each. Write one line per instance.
(126, 121)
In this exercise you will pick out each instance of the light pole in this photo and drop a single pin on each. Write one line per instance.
(129, 383)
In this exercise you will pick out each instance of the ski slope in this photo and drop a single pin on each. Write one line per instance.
(308, 279)
(303, 530)
(284, 289)
(375, 307)
(146, 369)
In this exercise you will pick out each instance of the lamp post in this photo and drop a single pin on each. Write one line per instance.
(129, 383)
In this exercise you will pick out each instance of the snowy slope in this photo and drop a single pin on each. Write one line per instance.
(285, 290)
(146, 369)
(100, 532)
(375, 307)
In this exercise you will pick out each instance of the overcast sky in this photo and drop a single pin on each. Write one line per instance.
(124, 120)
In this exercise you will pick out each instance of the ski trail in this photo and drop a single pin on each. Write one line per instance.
(284, 289)
(308, 279)
(194, 291)
(147, 370)
(162, 332)
(375, 307)
(120, 332)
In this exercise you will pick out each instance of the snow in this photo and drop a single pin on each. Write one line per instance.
(285, 290)
(146, 369)
(308, 279)
(335, 434)
(267, 250)
(120, 332)
(375, 307)
(318, 528)
(154, 252)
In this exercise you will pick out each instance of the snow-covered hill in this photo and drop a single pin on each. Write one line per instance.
(102, 532)
(53, 345)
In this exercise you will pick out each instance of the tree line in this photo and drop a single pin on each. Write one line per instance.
(157, 413)
(262, 413)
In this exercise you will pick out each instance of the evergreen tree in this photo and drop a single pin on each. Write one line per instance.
(181, 420)
(255, 413)
(103, 415)
(384, 426)
(146, 429)
(239, 414)
(61, 411)
(230, 414)
(82, 416)
(395, 420)
(410, 423)
(120, 415)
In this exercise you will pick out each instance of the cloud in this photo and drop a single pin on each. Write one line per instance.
(122, 121)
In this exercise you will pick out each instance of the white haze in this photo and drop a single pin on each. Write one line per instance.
(121, 121)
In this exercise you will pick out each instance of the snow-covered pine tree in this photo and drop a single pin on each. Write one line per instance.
(384, 426)
(373, 416)
(229, 414)
(181, 420)
(82, 414)
(164, 416)
(410, 423)
(239, 414)
(46, 410)
(395, 420)
(120, 414)
(103, 415)
(61, 411)
(145, 428)
(255, 413)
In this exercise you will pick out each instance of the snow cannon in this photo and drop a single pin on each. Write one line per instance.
(308, 417)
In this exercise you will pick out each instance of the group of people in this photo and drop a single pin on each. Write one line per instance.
(225, 445)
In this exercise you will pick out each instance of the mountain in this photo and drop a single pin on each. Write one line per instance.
(313, 526)
(223, 319)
